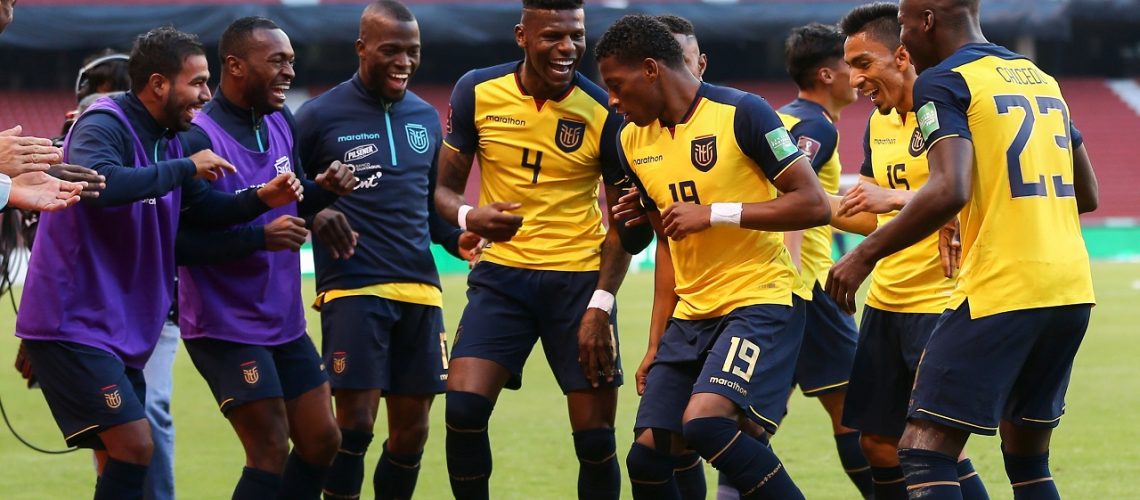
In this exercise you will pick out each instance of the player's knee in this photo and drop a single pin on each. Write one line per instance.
(881, 451)
(137, 450)
(356, 418)
(595, 446)
(409, 437)
(269, 448)
(709, 435)
(645, 464)
(467, 411)
(322, 445)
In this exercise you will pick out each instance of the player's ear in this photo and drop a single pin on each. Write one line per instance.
(233, 65)
(825, 75)
(360, 48)
(159, 84)
(902, 57)
(520, 36)
(702, 65)
(651, 68)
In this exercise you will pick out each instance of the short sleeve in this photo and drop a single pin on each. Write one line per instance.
(867, 169)
(461, 133)
(1075, 137)
(612, 171)
(941, 99)
(817, 139)
(762, 136)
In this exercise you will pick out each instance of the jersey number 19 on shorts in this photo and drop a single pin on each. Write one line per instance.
(747, 352)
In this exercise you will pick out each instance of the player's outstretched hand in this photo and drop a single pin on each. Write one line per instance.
(950, 248)
(338, 178)
(210, 166)
(74, 173)
(628, 209)
(283, 189)
(471, 247)
(42, 192)
(492, 221)
(643, 371)
(285, 233)
(683, 219)
(846, 276)
(21, 155)
(332, 229)
(867, 197)
(597, 353)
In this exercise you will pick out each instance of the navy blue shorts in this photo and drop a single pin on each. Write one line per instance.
(242, 373)
(375, 343)
(828, 351)
(890, 344)
(509, 309)
(88, 390)
(1011, 366)
(747, 356)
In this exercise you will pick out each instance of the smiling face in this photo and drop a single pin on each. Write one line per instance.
(389, 53)
(184, 95)
(266, 70)
(553, 41)
(632, 89)
(877, 72)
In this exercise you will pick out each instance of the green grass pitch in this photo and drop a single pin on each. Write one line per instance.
(1094, 452)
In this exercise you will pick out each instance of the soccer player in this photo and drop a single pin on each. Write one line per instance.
(713, 159)
(682, 30)
(242, 319)
(908, 289)
(379, 291)
(543, 136)
(813, 56)
(101, 274)
(1002, 151)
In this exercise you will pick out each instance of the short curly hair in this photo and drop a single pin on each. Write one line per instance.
(552, 4)
(879, 20)
(677, 25)
(162, 51)
(808, 48)
(634, 38)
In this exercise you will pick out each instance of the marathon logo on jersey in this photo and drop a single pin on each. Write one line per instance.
(112, 396)
(249, 372)
(358, 137)
(917, 144)
(569, 135)
(704, 152)
(360, 152)
(339, 362)
(809, 146)
(417, 137)
(283, 165)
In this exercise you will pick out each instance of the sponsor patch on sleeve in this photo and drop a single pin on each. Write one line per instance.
(781, 143)
(809, 146)
(927, 120)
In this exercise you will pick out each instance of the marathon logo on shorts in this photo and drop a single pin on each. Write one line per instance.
(417, 137)
(360, 152)
(731, 384)
(569, 135)
(249, 372)
(339, 362)
(112, 397)
(283, 165)
(704, 152)
(917, 144)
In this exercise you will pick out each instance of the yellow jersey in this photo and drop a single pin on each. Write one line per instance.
(727, 149)
(547, 155)
(815, 134)
(1022, 246)
(911, 280)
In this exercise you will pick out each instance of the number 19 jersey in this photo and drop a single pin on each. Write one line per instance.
(1022, 246)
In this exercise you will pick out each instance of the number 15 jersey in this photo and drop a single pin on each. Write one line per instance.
(1021, 235)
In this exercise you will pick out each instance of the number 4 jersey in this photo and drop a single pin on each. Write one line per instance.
(1021, 236)
(547, 155)
(728, 148)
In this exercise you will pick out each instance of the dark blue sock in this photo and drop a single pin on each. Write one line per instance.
(1030, 477)
(256, 484)
(753, 468)
(396, 475)
(301, 479)
(651, 474)
(468, 446)
(889, 483)
(930, 475)
(346, 474)
(599, 475)
(724, 488)
(971, 482)
(689, 472)
(854, 463)
(120, 480)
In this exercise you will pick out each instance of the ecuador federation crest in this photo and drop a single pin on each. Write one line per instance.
(704, 152)
(417, 137)
(917, 144)
(569, 135)
(339, 362)
(112, 397)
(249, 372)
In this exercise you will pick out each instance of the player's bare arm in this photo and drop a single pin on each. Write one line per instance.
(628, 209)
(490, 221)
(1088, 192)
(861, 223)
(935, 204)
(596, 350)
(867, 196)
(664, 299)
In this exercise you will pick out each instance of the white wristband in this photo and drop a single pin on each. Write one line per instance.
(725, 214)
(602, 300)
(462, 220)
